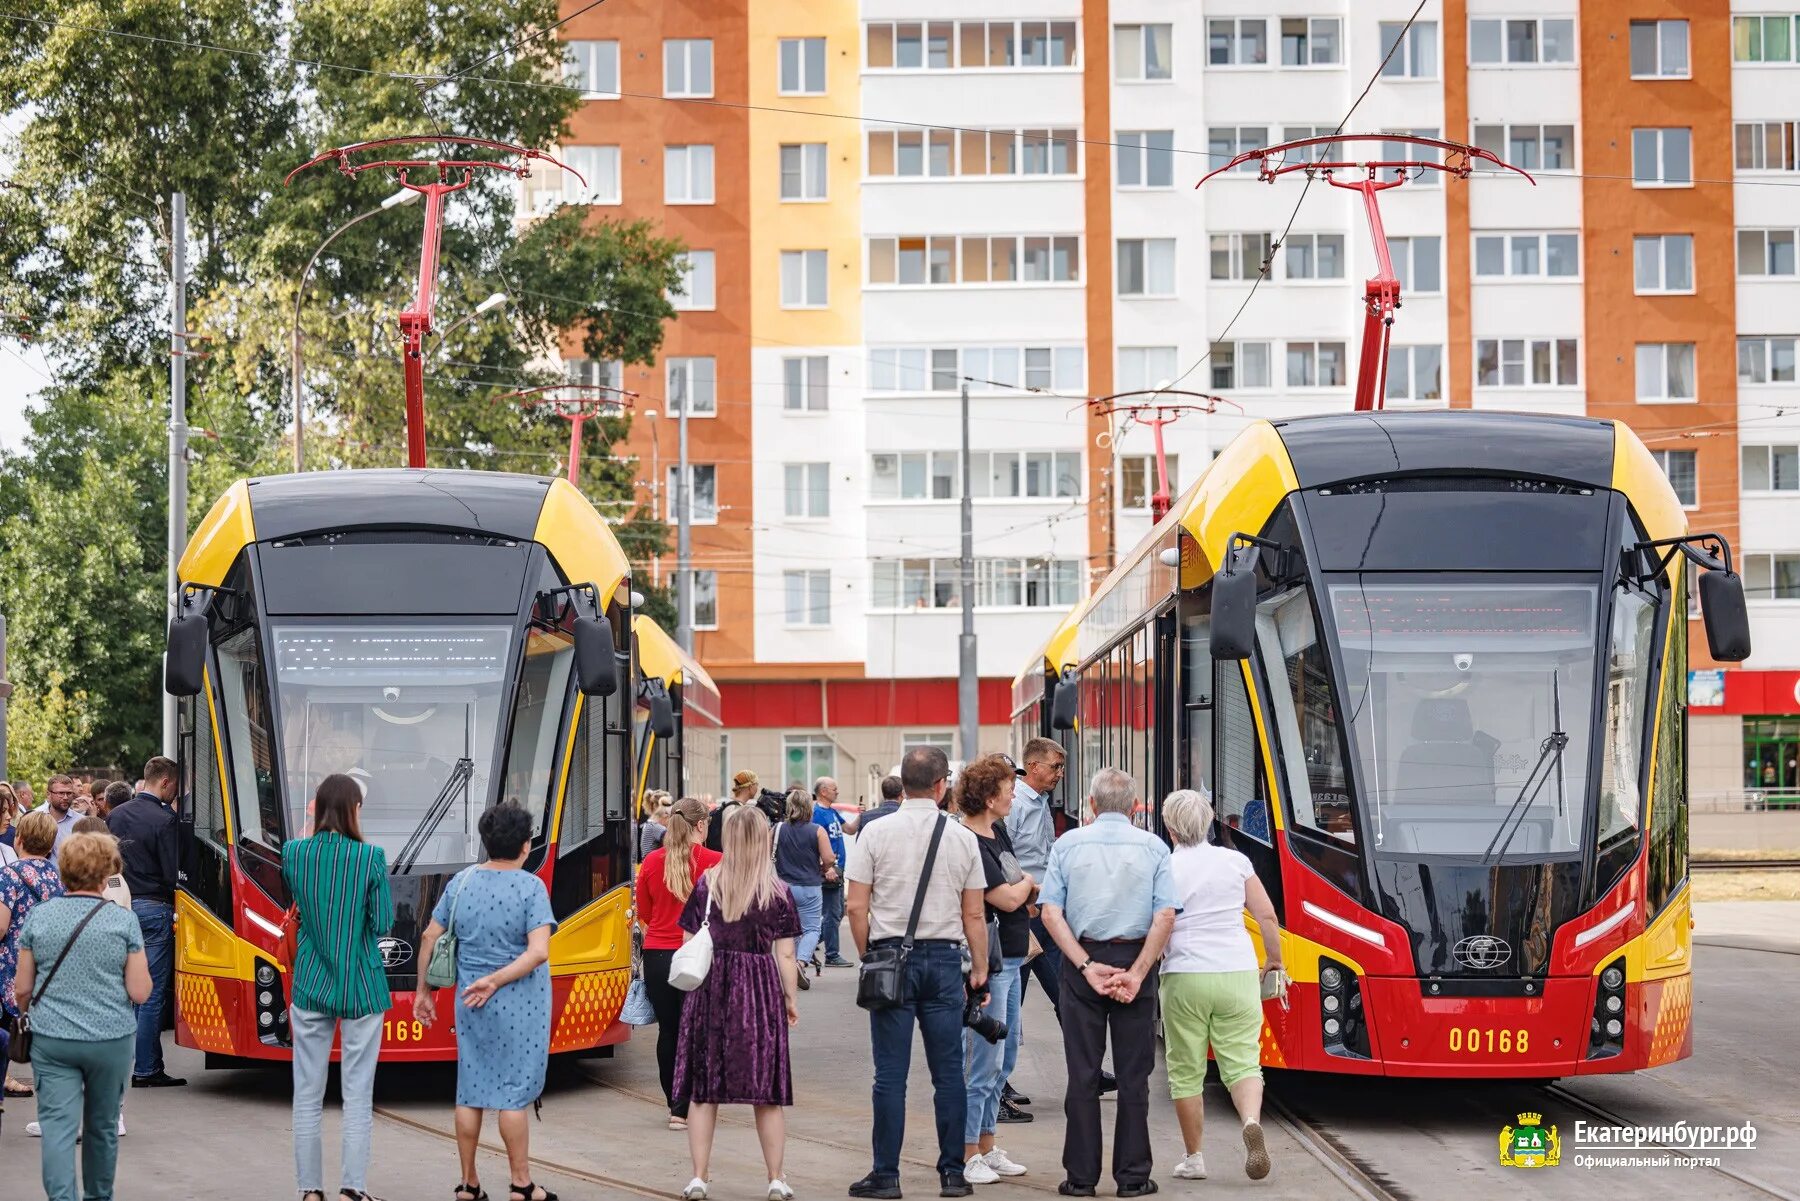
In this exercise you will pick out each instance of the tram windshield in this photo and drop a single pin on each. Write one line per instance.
(1470, 711)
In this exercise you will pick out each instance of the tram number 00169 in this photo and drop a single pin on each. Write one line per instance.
(402, 1032)
(1475, 1041)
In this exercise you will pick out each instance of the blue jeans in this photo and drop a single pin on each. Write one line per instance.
(987, 1065)
(79, 1084)
(312, 1033)
(157, 920)
(831, 921)
(934, 1000)
(1045, 967)
(806, 899)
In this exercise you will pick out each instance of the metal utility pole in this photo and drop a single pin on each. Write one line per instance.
(178, 427)
(968, 691)
(684, 548)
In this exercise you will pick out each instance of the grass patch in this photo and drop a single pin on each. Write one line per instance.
(1745, 886)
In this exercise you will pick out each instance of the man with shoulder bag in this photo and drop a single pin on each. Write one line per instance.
(915, 903)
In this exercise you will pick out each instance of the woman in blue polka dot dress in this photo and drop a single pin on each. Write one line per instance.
(502, 920)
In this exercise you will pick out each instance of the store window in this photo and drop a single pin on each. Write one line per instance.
(1772, 755)
(806, 757)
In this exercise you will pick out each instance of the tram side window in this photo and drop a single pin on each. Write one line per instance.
(245, 698)
(584, 801)
(537, 720)
(202, 772)
(1312, 756)
(1240, 802)
(1668, 854)
(1197, 702)
(1627, 713)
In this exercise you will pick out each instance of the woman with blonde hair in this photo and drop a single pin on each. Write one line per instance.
(1211, 990)
(9, 820)
(655, 825)
(804, 861)
(664, 883)
(734, 1027)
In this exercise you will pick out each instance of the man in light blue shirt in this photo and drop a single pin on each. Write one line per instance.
(1033, 829)
(1108, 901)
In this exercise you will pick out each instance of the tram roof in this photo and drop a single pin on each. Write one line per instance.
(529, 508)
(1058, 649)
(660, 657)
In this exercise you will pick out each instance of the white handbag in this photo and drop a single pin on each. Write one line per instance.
(693, 959)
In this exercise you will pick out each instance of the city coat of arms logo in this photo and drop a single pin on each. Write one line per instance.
(1529, 1145)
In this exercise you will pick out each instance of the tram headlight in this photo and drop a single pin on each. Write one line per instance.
(1614, 1004)
(265, 1019)
(1332, 1026)
(1331, 1003)
(265, 974)
(1614, 1027)
(1612, 978)
(1330, 978)
(265, 997)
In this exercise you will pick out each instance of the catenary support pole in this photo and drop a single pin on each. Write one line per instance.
(968, 691)
(178, 428)
(684, 547)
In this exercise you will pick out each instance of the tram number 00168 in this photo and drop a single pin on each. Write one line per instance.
(402, 1032)
(1475, 1041)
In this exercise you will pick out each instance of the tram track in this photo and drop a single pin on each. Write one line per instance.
(1744, 865)
(1352, 1170)
(568, 1171)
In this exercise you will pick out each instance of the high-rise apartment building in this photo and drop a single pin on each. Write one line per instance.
(887, 200)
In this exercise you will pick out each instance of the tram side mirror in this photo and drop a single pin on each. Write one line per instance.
(184, 665)
(662, 716)
(1065, 702)
(596, 670)
(1722, 609)
(1234, 605)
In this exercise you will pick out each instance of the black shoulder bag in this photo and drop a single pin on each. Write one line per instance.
(20, 1051)
(881, 979)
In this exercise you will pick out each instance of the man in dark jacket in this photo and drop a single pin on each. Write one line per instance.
(150, 845)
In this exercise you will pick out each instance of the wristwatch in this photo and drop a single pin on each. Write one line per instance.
(1085, 966)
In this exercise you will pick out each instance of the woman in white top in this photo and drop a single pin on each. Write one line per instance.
(1211, 990)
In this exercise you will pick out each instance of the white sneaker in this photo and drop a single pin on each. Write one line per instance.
(1002, 1163)
(976, 1171)
(121, 1125)
(34, 1130)
(1193, 1167)
(779, 1191)
(695, 1190)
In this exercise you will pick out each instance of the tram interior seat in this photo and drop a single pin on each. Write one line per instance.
(1447, 761)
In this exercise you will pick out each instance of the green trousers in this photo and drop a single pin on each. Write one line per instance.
(80, 1086)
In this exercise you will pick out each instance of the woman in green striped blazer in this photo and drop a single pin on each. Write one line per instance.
(340, 884)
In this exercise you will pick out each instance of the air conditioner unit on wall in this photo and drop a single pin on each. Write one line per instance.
(886, 464)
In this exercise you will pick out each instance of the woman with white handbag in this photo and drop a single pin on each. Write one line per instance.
(665, 881)
(739, 969)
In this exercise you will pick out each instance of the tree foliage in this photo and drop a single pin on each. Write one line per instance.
(117, 103)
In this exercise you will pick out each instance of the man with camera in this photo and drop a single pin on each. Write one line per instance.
(1109, 902)
(914, 899)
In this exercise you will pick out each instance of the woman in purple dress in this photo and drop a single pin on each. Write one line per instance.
(734, 1027)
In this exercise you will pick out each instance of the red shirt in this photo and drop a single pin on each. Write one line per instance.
(658, 909)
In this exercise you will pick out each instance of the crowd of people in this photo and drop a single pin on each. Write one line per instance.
(955, 898)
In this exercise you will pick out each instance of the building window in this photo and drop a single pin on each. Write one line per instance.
(808, 597)
(803, 384)
(1144, 367)
(1527, 256)
(1415, 373)
(999, 369)
(802, 66)
(1236, 365)
(1662, 158)
(1404, 151)
(1659, 49)
(1418, 263)
(595, 373)
(691, 386)
(806, 757)
(1533, 147)
(1663, 263)
(1312, 41)
(1762, 39)
(803, 171)
(706, 600)
(1417, 57)
(941, 261)
(1142, 53)
(1527, 362)
(1771, 468)
(1765, 252)
(937, 740)
(1766, 145)
(1146, 266)
(705, 483)
(808, 489)
(803, 279)
(1521, 42)
(1240, 256)
(999, 583)
(1313, 256)
(1765, 360)
(1315, 364)
(1665, 371)
(696, 290)
(1137, 479)
(687, 67)
(1226, 142)
(687, 174)
(1678, 465)
(599, 166)
(997, 475)
(1237, 42)
(919, 153)
(592, 68)
(1146, 158)
(1772, 577)
(970, 45)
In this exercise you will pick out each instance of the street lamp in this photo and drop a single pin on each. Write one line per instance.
(487, 306)
(399, 198)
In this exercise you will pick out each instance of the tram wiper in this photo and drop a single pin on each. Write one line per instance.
(1550, 757)
(460, 775)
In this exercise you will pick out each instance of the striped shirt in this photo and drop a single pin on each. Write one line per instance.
(345, 907)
